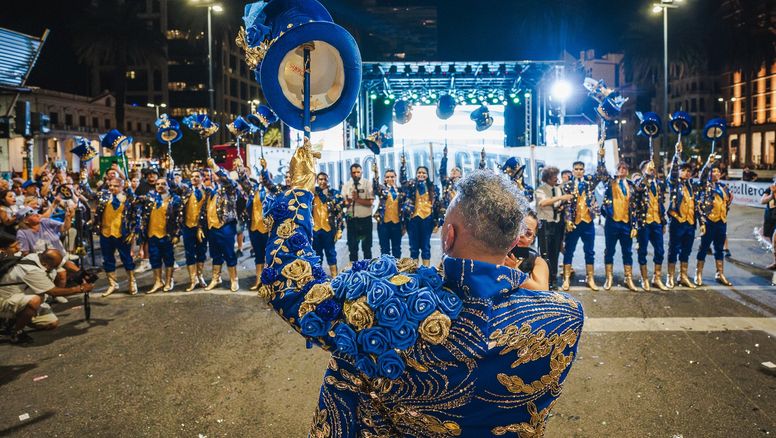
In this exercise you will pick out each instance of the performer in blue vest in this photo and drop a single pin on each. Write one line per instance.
(620, 212)
(388, 214)
(651, 222)
(220, 219)
(161, 228)
(420, 210)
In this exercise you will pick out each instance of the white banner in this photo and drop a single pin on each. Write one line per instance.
(467, 157)
(747, 193)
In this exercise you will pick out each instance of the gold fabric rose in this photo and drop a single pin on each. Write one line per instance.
(435, 328)
(268, 222)
(266, 292)
(407, 265)
(299, 271)
(286, 229)
(318, 293)
(359, 314)
(306, 308)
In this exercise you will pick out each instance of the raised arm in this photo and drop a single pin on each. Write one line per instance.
(403, 170)
(443, 168)
(360, 313)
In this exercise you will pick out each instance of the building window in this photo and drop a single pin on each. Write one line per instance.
(107, 123)
(108, 102)
(702, 106)
(155, 8)
(131, 74)
(95, 123)
(139, 127)
(175, 34)
(176, 86)
(54, 118)
(693, 105)
(68, 120)
(129, 126)
(233, 107)
(157, 80)
(148, 127)
(82, 121)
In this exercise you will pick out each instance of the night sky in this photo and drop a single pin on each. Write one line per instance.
(502, 30)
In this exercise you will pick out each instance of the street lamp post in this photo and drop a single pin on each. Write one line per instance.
(664, 6)
(152, 105)
(211, 7)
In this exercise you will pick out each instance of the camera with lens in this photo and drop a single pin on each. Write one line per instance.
(89, 275)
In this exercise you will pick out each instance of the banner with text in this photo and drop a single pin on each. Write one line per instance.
(747, 193)
(466, 157)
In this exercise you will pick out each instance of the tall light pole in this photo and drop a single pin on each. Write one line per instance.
(211, 7)
(152, 105)
(664, 6)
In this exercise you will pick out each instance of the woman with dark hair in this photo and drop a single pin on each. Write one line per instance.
(420, 210)
(8, 210)
(526, 258)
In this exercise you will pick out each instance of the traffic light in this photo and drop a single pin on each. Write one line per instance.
(23, 119)
(40, 123)
(6, 127)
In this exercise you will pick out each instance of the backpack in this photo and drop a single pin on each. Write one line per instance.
(9, 262)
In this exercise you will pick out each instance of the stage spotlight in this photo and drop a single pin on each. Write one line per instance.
(473, 100)
(393, 70)
(516, 100)
(485, 69)
(494, 100)
(451, 68)
(561, 90)
(391, 96)
(433, 95)
(387, 101)
(372, 95)
(512, 94)
(468, 70)
(407, 69)
(490, 95)
(438, 70)
(527, 95)
(445, 106)
(421, 70)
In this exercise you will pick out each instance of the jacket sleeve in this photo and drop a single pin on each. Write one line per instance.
(360, 313)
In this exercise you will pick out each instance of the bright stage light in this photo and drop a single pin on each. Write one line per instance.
(516, 100)
(561, 90)
(426, 127)
(372, 96)
(473, 100)
(387, 101)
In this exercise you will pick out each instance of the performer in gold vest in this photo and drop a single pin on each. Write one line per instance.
(220, 219)
(161, 226)
(420, 210)
(388, 215)
(716, 198)
(259, 194)
(328, 214)
(116, 223)
(193, 197)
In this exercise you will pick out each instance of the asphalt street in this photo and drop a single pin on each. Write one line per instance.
(663, 364)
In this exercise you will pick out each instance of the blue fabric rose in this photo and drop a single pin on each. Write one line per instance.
(297, 241)
(420, 304)
(345, 339)
(357, 285)
(429, 277)
(328, 310)
(318, 272)
(366, 365)
(280, 212)
(340, 285)
(409, 287)
(449, 303)
(269, 276)
(360, 265)
(373, 340)
(379, 291)
(404, 336)
(390, 364)
(312, 325)
(392, 313)
(384, 267)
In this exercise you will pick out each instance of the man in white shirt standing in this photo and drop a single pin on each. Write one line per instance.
(549, 209)
(359, 198)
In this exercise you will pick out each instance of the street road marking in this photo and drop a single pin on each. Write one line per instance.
(710, 324)
(680, 289)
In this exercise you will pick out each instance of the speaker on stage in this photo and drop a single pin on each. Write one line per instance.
(273, 39)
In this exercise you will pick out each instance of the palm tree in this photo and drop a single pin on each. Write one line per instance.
(113, 34)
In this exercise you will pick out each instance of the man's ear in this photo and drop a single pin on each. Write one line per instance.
(448, 238)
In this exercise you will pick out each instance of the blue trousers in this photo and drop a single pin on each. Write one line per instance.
(586, 232)
(221, 242)
(615, 232)
(259, 244)
(715, 233)
(323, 244)
(389, 235)
(160, 250)
(680, 238)
(196, 251)
(419, 232)
(108, 246)
(651, 233)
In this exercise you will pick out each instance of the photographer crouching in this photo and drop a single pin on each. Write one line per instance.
(24, 281)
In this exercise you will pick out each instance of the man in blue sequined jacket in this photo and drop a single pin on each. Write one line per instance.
(469, 351)
(220, 220)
